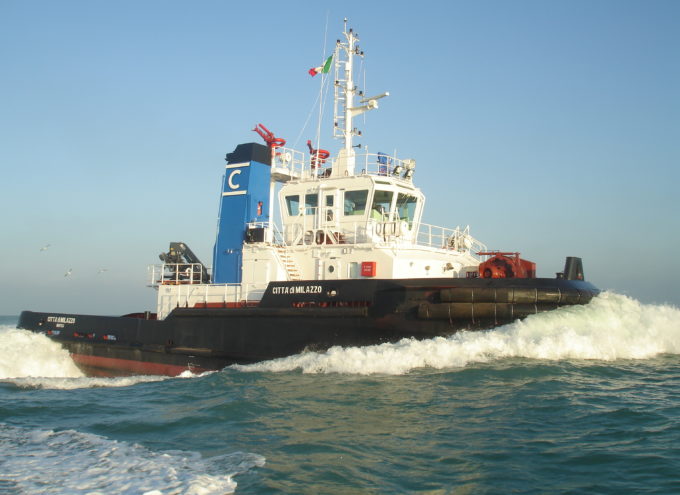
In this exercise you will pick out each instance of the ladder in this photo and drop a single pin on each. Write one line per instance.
(289, 264)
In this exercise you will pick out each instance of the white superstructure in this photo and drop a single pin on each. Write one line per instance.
(353, 216)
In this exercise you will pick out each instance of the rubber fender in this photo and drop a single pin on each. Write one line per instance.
(483, 310)
(461, 311)
(485, 294)
(523, 296)
(570, 297)
(453, 311)
(456, 294)
(477, 294)
(586, 296)
(548, 296)
(516, 295)
(472, 312)
(505, 295)
(466, 311)
(524, 309)
(505, 311)
(423, 311)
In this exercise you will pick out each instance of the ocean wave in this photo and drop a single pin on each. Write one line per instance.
(31, 360)
(27, 354)
(44, 461)
(610, 327)
(61, 383)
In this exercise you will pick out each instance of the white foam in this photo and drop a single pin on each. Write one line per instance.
(44, 461)
(611, 327)
(28, 354)
(99, 382)
(31, 360)
(83, 382)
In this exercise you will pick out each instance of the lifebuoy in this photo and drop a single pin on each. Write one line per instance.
(319, 157)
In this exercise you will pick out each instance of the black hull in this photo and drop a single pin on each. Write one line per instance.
(297, 316)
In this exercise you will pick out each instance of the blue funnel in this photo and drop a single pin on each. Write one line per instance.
(245, 199)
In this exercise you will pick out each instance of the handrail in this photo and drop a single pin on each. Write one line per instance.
(388, 232)
(452, 239)
(217, 295)
(177, 274)
(298, 165)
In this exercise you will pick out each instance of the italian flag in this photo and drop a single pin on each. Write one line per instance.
(324, 68)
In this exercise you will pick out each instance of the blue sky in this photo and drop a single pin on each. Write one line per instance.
(552, 128)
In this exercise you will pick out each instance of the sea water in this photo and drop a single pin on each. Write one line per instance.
(585, 400)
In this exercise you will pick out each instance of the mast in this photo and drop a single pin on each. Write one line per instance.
(344, 93)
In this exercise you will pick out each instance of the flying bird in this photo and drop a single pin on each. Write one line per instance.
(102, 270)
(45, 247)
(68, 273)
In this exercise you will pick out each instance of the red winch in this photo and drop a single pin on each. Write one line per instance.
(506, 265)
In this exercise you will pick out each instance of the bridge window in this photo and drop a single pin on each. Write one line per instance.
(406, 207)
(293, 205)
(382, 203)
(311, 203)
(355, 202)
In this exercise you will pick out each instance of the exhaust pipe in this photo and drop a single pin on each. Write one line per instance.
(573, 268)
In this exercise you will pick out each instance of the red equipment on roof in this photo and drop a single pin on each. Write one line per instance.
(506, 265)
(269, 137)
(319, 157)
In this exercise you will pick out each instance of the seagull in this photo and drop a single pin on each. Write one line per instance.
(45, 247)
(102, 270)
(68, 273)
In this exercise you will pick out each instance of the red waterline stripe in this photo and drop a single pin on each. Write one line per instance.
(118, 366)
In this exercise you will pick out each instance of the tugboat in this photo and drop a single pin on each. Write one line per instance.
(313, 252)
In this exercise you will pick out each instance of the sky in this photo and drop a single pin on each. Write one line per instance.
(551, 128)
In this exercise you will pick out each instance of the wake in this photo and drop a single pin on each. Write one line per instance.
(46, 461)
(610, 327)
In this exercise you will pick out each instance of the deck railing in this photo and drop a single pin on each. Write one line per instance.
(311, 231)
(298, 165)
(207, 296)
(453, 239)
(178, 274)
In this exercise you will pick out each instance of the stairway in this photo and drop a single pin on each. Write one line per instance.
(289, 263)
